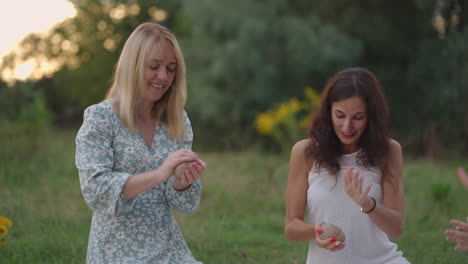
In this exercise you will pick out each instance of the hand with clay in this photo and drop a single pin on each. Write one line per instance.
(329, 236)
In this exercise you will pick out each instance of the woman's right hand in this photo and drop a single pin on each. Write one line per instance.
(330, 243)
(174, 159)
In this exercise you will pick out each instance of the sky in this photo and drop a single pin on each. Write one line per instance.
(20, 17)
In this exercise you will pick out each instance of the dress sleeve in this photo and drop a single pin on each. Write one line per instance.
(101, 187)
(186, 201)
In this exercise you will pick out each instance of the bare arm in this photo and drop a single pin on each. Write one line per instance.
(463, 177)
(142, 182)
(388, 216)
(459, 235)
(295, 228)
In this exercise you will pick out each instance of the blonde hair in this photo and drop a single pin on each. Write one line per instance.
(127, 86)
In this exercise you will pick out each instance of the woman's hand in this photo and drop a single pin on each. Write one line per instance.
(459, 235)
(353, 187)
(192, 173)
(167, 168)
(330, 243)
(142, 182)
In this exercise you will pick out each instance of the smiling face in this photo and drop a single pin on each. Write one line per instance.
(349, 117)
(159, 72)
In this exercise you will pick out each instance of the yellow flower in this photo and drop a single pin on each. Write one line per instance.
(3, 230)
(281, 112)
(295, 105)
(264, 123)
(285, 121)
(5, 221)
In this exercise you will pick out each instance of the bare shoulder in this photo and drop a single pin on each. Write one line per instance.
(301, 146)
(298, 154)
(395, 159)
(299, 149)
(394, 148)
(394, 144)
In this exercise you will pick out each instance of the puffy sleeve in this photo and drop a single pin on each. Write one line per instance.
(101, 187)
(185, 201)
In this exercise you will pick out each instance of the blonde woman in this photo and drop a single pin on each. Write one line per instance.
(127, 150)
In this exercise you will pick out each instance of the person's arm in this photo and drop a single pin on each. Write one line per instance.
(184, 194)
(460, 234)
(142, 182)
(295, 228)
(463, 177)
(389, 216)
(100, 186)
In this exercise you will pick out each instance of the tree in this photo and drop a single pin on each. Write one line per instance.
(75, 59)
(244, 56)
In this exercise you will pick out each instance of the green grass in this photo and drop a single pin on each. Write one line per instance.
(240, 219)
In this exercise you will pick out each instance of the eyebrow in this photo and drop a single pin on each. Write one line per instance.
(336, 110)
(160, 61)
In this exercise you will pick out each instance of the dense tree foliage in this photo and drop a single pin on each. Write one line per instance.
(81, 52)
(246, 56)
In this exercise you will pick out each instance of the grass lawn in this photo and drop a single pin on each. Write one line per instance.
(240, 219)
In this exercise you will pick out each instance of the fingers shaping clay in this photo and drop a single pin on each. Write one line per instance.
(179, 169)
(331, 231)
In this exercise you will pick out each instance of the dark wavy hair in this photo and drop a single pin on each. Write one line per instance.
(326, 147)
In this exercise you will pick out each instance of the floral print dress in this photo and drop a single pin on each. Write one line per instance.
(142, 229)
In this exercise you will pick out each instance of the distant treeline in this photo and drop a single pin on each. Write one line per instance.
(245, 56)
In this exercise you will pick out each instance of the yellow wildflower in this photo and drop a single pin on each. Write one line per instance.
(296, 105)
(5, 221)
(264, 123)
(281, 112)
(3, 230)
(286, 121)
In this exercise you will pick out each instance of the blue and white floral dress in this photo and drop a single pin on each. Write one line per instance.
(142, 229)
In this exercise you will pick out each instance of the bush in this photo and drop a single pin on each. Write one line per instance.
(286, 123)
(25, 117)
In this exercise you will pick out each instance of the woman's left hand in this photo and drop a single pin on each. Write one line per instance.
(192, 173)
(459, 235)
(353, 187)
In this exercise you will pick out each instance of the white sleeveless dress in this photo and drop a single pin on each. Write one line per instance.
(365, 242)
